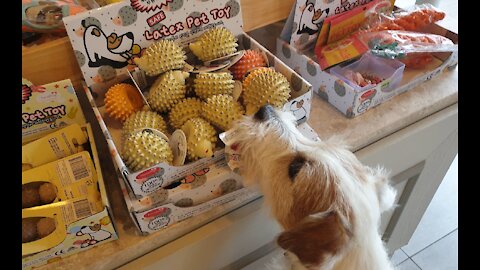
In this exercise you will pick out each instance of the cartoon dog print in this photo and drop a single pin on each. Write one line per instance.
(96, 234)
(299, 111)
(311, 19)
(111, 51)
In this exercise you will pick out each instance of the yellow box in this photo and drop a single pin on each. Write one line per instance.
(73, 177)
(56, 145)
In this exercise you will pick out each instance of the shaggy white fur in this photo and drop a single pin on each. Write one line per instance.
(328, 203)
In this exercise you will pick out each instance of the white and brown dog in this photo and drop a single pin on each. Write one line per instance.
(327, 202)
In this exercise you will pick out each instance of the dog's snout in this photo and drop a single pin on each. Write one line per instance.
(264, 113)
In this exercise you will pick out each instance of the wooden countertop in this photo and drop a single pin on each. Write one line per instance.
(379, 122)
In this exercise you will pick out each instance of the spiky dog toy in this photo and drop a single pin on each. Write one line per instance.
(167, 90)
(265, 86)
(160, 57)
(183, 111)
(214, 43)
(209, 84)
(143, 119)
(250, 59)
(122, 100)
(221, 111)
(144, 149)
(201, 138)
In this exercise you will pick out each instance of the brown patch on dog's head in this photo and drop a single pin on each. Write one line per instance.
(95, 227)
(114, 41)
(315, 239)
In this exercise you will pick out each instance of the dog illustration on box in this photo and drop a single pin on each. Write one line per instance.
(102, 50)
(95, 233)
(311, 19)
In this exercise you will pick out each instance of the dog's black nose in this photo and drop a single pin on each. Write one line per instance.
(264, 113)
(129, 35)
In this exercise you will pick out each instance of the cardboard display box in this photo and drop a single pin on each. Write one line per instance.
(184, 24)
(343, 96)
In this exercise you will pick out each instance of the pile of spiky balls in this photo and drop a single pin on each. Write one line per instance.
(209, 109)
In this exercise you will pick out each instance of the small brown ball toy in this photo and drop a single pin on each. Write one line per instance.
(30, 196)
(209, 84)
(221, 111)
(214, 43)
(48, 193)
(45, 226)
(122, 100)
(265, 86)
(29, 230)
(183, 111)
(160, 57)
(143, 119)
(167, 90)
(144, 149)
(201, 138)
(250, 59)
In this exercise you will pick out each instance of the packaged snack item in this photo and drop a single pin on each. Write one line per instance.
(44, 227)
(343, 50)
(59, 144)
(64, 179)
(47, 15)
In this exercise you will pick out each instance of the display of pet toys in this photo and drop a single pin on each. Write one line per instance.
(122, 100)
(46, 15)
(265, 86)
(201, 138)
(222, 110)
(214, 43)
(250, 59)
(146, 148)
(209, 84)
(160, 57)
(143, 119)
(184, 111)
(167, 90)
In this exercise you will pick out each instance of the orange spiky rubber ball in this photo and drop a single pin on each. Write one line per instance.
(250, 59)
(122, 100)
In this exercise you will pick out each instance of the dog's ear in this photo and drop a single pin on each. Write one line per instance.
(316, 239)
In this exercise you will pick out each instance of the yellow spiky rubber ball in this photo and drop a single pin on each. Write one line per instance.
(250, 59)
(160, 57)
(167, 90)
(143, 119)
(201, 138)
(183, 111)
(209, 84)
(122, 100)
(265, 86)
(221, 111)
(214, 43)
(145, 149)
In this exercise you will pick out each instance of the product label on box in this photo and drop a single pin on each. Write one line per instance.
(106, 39)
(48, 107)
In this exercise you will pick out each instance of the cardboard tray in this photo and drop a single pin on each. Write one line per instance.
(341, 95)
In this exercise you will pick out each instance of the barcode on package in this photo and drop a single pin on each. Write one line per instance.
(82, 209)
(79, 168)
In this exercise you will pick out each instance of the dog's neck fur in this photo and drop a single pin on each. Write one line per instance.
(349, 189)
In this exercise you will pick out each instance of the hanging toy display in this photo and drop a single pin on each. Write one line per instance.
(264, 86)
(222, 110)
(143, 119)
(201, 138)
(167, 90)
(250, 59)
(160, 57)
(209, 84)
(122, 100)
(184, 111)
(214, 43)
(144, 149)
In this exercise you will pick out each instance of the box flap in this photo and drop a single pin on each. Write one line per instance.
(105, 39)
